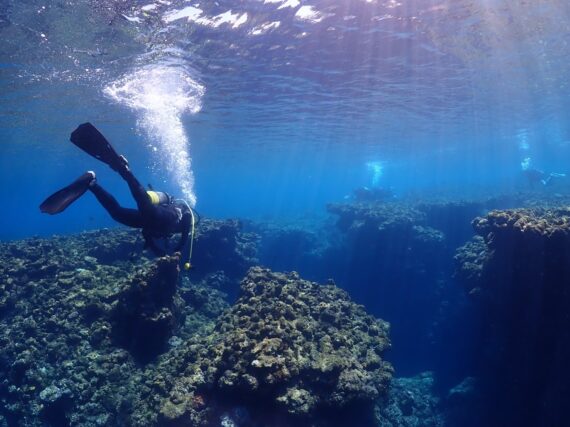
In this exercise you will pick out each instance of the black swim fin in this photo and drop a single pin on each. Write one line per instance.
(90, 140)
(60, 200)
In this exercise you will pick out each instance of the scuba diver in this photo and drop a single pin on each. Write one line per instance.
(536, 176)
(158, 214)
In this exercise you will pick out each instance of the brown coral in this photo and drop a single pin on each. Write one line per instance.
(304, 344)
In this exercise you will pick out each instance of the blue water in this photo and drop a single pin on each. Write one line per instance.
(449, 96)
(270, 109)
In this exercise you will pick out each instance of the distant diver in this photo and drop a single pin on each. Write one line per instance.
(535, 176)
(158, 215)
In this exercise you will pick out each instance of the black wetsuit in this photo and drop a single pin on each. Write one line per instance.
(156, 221)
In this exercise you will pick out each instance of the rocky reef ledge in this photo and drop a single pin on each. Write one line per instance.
(517, 270)
(92, 333)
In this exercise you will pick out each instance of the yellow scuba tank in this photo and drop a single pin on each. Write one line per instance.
(159, 198)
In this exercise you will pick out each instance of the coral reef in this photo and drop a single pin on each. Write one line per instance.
(518, 272)
(286, 345)
(308, 344)
(381, 216)
(146, 311)
(221, 245)
(56, 362)
(123, 340)
(515, 239)
(93, 332)
(411, 402)
(470, 260)
(64, 301)
(395, 256)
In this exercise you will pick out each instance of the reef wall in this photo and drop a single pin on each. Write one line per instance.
(517, 271)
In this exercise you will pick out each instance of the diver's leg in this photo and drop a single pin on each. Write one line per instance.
(128, 217)
(137, 190)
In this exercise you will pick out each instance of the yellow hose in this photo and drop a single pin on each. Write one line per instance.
(188, 265)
